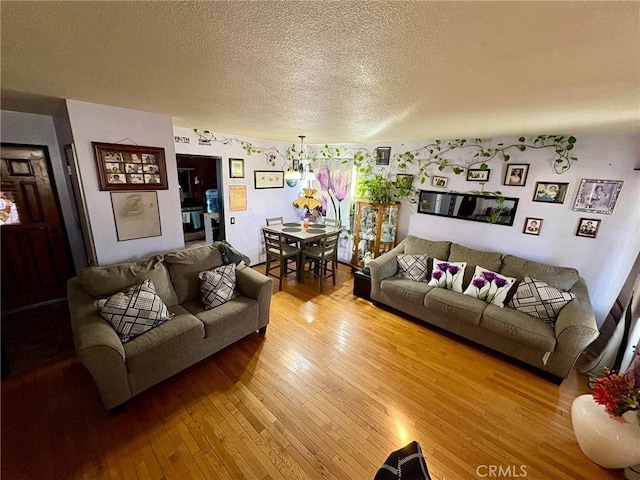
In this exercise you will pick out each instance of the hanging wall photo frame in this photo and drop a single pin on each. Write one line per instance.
(383, 155)
(236, 168)
(130, 167)
(550, 192)
(268, 179)
(597, 196)
(136, 215)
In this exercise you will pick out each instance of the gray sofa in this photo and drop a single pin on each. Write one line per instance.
(551, 349)
(122, 370)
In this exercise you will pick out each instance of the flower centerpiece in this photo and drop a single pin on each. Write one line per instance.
(619, 393)
(610, 436)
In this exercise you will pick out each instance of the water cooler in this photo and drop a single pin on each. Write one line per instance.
(212, 216)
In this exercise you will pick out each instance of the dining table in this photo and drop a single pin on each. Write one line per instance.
(300, 233)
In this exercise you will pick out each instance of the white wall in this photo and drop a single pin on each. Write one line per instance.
(99, 123)
(604, 261)
(246, 233)
(32, 129)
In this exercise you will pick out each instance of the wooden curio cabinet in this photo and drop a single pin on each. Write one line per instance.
(375, 229)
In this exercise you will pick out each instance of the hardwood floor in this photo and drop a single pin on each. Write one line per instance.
(334, 386)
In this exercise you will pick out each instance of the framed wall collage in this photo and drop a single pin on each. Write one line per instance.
(130, 167)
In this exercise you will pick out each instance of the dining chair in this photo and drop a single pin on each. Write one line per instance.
(324, 256)
(275, 221)
(278, 249)
(333, 222)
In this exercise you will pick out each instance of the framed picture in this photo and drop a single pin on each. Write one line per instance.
(440, 182)
(136, 215)
(597, 196)
(236, 168)
(588, 227)
(532, 226)
(130, 167)
(269, 179)
(404, 181)
(516, 175)
(548, 192)
(478, 175)
(383, 155)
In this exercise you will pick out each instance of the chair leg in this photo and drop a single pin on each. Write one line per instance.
(334, 263)
(283, 269)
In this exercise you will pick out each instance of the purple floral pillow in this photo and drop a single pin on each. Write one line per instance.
(489, 286)
(447, 275)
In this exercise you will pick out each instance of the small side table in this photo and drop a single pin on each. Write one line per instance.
(362, 284)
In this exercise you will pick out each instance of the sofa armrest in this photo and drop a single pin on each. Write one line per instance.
(385, 266)
(575, 329)
(255, 285)
(98, 347)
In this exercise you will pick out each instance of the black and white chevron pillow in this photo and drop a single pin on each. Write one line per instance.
(134, 311)
(413, 267)
(540, 300)
(218, 286)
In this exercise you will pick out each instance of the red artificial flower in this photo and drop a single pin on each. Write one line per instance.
(617, 393)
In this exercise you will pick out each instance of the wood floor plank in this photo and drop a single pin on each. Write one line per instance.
(334, 386)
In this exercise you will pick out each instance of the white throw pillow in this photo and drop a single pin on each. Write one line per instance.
(489, 286)
(134, 311)
(540, 300)
(218, 286)
(447, 275)
(413, 267)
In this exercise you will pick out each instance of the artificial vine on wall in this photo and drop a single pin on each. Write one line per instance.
(437, 154)
(378, 182)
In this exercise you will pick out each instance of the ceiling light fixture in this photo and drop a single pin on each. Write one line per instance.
(296, 169)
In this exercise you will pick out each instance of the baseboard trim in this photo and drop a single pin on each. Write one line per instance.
(35, 305)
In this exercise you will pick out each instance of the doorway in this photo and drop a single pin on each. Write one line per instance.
(36, 258)
(200, 179)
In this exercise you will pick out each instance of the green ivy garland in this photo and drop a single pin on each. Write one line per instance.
(377, 182)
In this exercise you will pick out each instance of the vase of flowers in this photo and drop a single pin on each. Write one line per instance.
(606, 423)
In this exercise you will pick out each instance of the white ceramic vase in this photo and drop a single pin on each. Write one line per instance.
(606, 441)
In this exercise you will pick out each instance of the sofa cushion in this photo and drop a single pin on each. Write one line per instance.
(105, 281)
(185, 265)
(413, 267)
(218, 286)
(415, 245)
(560, 277)
(169, 341)
(228, 322)
(540, 300)
(402, 289)
(447, 275)
(489, 260)
(489, 286)
(519, 328)
(454, 307)
(134, 311)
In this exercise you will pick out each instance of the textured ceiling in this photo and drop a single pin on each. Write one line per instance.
(338, 72)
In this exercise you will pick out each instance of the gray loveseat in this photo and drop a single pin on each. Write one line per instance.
(122, 370)
(551, 349)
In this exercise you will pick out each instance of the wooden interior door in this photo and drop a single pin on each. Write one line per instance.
(36, 261)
